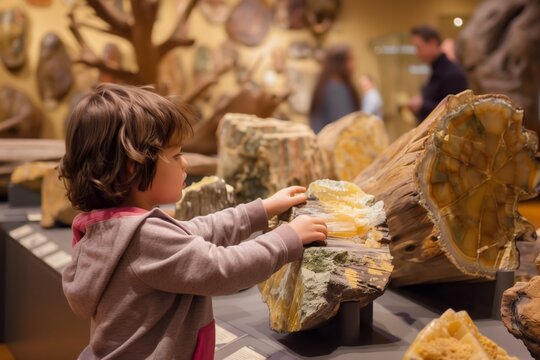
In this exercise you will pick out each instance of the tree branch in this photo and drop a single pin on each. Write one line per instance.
(178, 36)
(203, 86)
(88, 56)
(107, 12)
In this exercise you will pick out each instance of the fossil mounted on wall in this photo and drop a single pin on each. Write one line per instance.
(54, 70)
(19, 117)
(290, 14)
(13, 28)
(451, 188)
(249, 22)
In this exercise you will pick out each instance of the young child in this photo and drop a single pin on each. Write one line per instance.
(144, 279)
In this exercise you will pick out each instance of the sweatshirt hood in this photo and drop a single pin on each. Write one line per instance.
(100, 238)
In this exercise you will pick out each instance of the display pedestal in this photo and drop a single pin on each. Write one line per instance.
(20, 196)
(352, 320)
(503, 280)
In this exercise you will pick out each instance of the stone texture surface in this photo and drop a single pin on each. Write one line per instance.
(454, 336)
(354, 264)
(204, 197)
(451, 188)
(520, 312)
(260, 156)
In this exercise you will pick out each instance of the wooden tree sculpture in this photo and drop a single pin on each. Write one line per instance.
(451, 188)
(137, 30)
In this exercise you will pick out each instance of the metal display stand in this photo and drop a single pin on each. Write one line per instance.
(503, 280)
(352, 320)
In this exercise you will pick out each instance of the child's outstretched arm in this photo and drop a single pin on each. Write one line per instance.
(165, 257)
(230, 226)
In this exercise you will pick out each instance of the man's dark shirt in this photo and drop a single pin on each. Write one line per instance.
(446, 78)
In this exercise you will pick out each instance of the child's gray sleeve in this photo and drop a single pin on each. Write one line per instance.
(230, 226)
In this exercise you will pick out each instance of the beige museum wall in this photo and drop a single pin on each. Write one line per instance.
(359, 21)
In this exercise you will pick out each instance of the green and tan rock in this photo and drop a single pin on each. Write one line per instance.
(354, 264)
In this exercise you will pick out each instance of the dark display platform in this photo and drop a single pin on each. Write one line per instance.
(38, 323)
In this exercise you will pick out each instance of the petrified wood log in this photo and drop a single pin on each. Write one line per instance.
(23, 150)
(451, 188)
(520, 313)
(500, 50)
(260, 156)
(352, 143)
(54, 70)
(30, 175)
(454, 336)
(19, 117)
(355, 264)
(13, 27)
(55, 206)
(204, 197)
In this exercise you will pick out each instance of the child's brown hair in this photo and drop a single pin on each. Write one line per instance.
(113, 128)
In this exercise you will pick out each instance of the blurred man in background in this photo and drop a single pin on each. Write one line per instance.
(446, 77)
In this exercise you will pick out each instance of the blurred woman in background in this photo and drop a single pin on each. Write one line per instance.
(334, 95)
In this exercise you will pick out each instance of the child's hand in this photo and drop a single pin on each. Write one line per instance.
(309, 229)
(284, 199)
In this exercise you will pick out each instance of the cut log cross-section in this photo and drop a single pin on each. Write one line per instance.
(451, 189)
(352, 143)
(355, 264)
(260, 156)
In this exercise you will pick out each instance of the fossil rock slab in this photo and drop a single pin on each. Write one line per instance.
(19, 117)
(204, 197)
(260, 156)
(355, 264)
(13, 28)
(352, 143)
(54, 70)
(454, 336)
(249, 32)
(451, 188)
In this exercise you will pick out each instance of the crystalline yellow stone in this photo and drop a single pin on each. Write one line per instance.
(454, 336)
(355, 264)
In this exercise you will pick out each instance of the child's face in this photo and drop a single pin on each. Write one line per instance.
(170, 177)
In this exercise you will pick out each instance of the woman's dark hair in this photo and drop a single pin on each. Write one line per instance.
(334, 67)
(112, 129)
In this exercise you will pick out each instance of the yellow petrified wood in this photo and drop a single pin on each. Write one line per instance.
(204, 197)
(451, 189)
(355, 264)
(352, 143)
(454, 336)
(260, 156)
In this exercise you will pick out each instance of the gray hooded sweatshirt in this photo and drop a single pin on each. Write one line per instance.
(145, 280)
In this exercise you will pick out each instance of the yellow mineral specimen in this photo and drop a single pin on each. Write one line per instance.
(454, 336)
(355, 264)
(352, 143)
